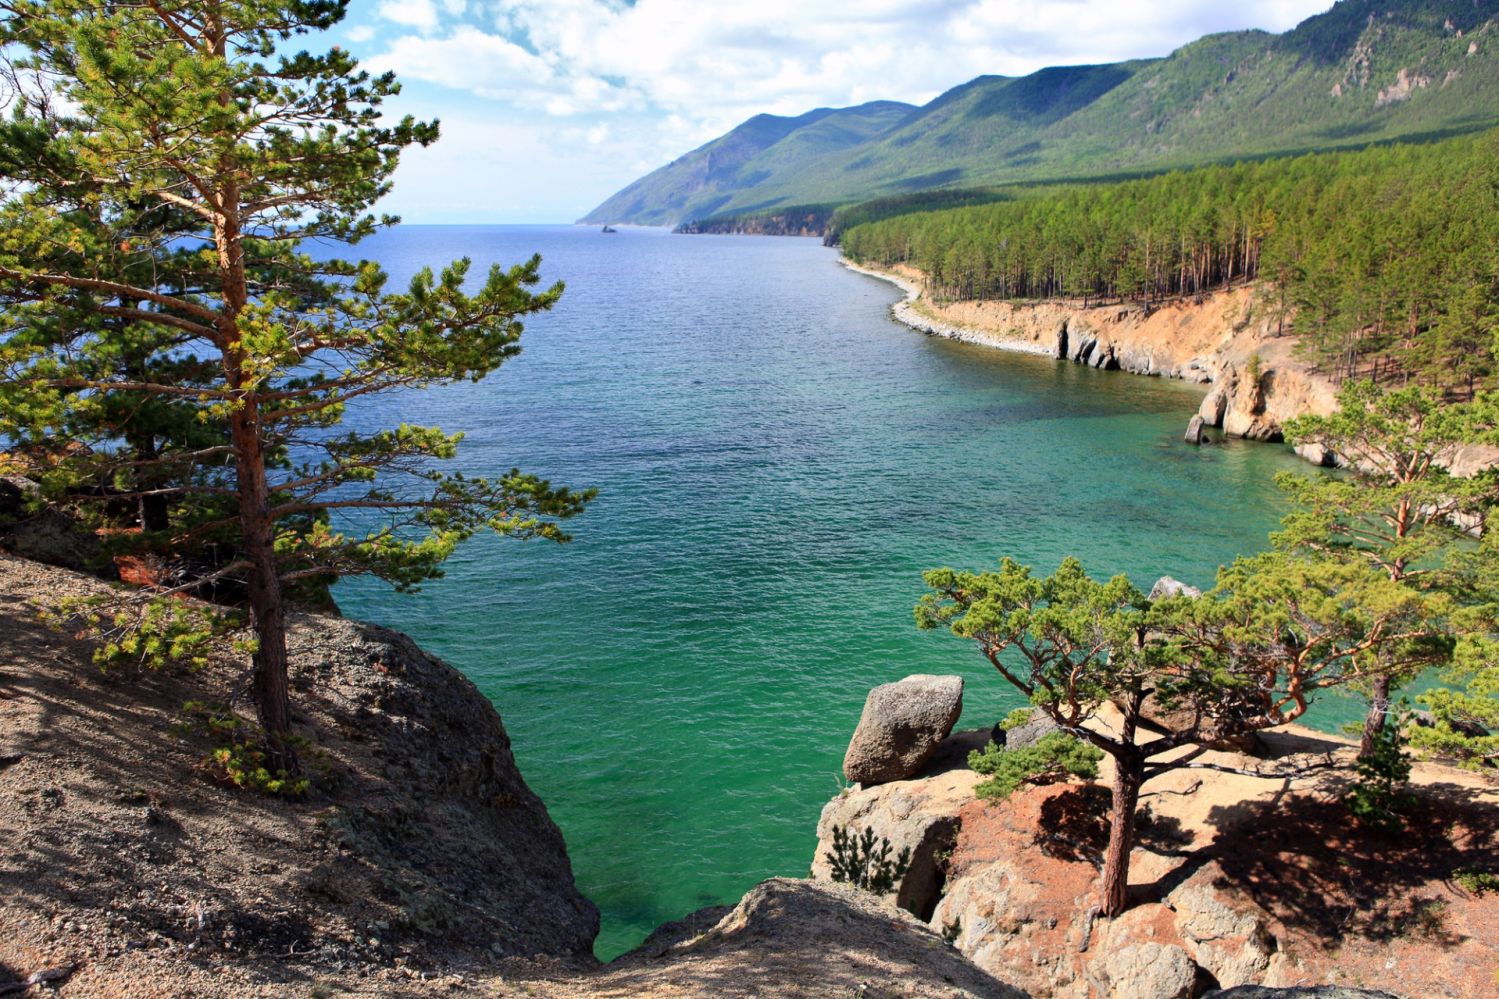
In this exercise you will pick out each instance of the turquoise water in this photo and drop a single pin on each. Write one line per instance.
(777, 461)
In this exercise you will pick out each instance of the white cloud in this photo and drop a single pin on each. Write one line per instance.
(469, 59)
(412, 13)
(667, 75)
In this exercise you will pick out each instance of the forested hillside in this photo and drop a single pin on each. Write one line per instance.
(1364, 71)
(1382, 261)
(765, 146)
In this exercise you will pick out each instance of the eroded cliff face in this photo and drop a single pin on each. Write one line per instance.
(1219, 342)
(420, 845)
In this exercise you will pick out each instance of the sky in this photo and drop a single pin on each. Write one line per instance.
(550, 106)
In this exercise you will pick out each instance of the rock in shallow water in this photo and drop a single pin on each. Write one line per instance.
(901, 727)
(1196, 430)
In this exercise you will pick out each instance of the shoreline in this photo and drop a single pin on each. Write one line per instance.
(907, 312)
(1255, 380)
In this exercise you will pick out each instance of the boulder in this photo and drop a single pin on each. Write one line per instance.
(1196, 430)
(916, 815)
(1228, 936)
(801, 938)
(902, 725)
(1036, 728)
(1166, 586)
(1146, 971)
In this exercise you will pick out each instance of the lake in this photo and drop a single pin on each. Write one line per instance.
(777, 461)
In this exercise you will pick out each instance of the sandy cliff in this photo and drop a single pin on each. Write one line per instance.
(1211, 342)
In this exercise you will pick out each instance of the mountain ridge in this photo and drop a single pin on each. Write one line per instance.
(1355, 74)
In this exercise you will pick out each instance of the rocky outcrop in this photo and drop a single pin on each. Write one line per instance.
(1230, 877)
(901, 727)
(919, 816)
(44, 533)
(419, 845)
(1228, 937)
(1145, 970)
(802, 938)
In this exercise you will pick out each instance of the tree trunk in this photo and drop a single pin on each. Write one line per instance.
(1374, 721)
(270, 686)
(1129, 774)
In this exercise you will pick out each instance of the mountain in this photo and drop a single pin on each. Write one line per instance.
(764, 148)
(1364, 71)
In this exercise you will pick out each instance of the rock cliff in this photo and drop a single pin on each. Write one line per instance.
(1255, 380)
(420, 862)
(420, 845)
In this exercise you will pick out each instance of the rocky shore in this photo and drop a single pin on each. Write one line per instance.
(420, 861)
(1255, 381)
(1237, 882)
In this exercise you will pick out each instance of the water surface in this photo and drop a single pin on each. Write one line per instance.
(777, 461)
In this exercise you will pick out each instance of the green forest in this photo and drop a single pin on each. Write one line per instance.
(1381, 261)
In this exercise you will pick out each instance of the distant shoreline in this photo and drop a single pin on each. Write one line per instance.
(906, 311)
(1215, 341)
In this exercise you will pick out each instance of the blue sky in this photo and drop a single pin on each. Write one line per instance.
(549, 106)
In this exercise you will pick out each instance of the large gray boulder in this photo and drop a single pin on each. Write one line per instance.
(901, 727)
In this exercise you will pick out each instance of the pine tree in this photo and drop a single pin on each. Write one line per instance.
(1249, 655)
(166, 165)
(1397, 509)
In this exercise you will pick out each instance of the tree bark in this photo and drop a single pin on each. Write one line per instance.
(1129, 774)
(1374, 721)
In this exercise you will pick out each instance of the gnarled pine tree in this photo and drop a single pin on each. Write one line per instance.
(168, 163)
(1247, 656)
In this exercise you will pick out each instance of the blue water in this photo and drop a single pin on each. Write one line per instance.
(777, 461)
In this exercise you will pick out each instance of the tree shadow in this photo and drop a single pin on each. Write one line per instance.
(1074, 824)
(1308, 862)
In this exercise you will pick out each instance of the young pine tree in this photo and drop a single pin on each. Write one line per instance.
(167, 164)
(1397, 509)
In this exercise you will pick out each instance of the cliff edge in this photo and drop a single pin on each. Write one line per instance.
(128, 870)
(419, 863)
(1235, 880)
